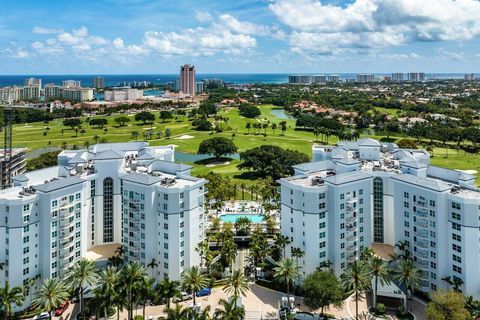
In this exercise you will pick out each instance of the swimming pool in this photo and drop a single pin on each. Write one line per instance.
(232, 217)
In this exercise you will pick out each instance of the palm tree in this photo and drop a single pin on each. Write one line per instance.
(145, 292)
(297, 253)
(131, 275)
(448, 280)
(403, 247)
(282, 243)
(179, 313)
(357, 278)
(193, 280)
(168, 289)
(52, 293)
(380, 271)
(230, 310)
(457, 283)
(83, 273)
(10, 296)
(107, 288)
(286, 272)
(204, 314)
(152, 265)
(408, 274)
(236, 284)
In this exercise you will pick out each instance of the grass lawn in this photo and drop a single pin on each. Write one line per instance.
(32, 137)
(392, 112)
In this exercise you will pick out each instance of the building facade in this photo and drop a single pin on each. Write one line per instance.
(358, 194)
(365, 77)
(187, 79)
(398, 76)
(96, 200)
(98, 82)
(416, 76)
(14, 166)
(121, 94)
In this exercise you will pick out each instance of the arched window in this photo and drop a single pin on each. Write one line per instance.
(378, 210)
(108, 210)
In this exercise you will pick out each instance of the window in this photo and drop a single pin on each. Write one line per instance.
(456, 206)
(322, 235)
(165, 197)
(77, 196)
(456, 237)
(342, 206)
(322, 244)
(432, 203)
(342, 196)
(457, 258)
(321, 205)
(405, 195)
(456, 248)
(26, 250)
(26, 239)
(322, 254)
(360, 191)
(321, 215)
(457, 269)
(108, 210)
(456, 216)
(321, 196)
(26, 218)
(406, 204)
(407, 234)
(322, 225)
(456, 226)
(26, 207)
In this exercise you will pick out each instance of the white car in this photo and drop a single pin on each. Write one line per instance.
(182, 297)
(43, 315)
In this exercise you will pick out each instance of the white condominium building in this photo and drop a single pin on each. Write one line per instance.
(122, 94)
(96, 200)
(359, 193)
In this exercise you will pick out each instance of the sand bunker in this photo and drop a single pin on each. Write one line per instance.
(185, 137)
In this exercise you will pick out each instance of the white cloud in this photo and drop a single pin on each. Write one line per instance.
(42, 30)
(364, 24)
(18, 53)
(225, 34)
(203, 16)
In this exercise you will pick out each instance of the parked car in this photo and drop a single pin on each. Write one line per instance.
(61, 309)
(204, 292)
(183, 296)
(41, 316)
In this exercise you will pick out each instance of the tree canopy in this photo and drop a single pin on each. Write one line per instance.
(145, 117)
(321, 289)
(273, 161)
(98, 122)
(122, 120)
(446, 305)
(207, 108)
(218, 146)
(165, 115)
(202, 125)
(249, 111)
(72, 122)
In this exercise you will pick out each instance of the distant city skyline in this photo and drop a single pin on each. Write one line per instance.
(251, 36)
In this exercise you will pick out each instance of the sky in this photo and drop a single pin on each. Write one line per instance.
(242, 36)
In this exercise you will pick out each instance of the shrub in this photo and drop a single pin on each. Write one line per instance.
(380, 308)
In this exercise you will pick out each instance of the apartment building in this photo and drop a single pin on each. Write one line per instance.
(358, 194)
(96, 200)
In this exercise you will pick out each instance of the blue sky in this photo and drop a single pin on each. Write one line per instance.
(243, 36)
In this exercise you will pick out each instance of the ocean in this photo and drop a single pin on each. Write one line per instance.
(116, 79)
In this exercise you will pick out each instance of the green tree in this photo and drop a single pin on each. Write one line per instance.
(259, 248)
(106, 289)
(207, 108)
(236, 284)
(72, 123)
(447, 305)
(218, 147)
(202, 125)
(281, 243)
(229, 311)
(178, 313)
(357, 278)
(51, 294)
(380, 272)
(168, 133)
(287, 271)
(242, 226)
(273, 161)
(408, 274)
(321, 289)
(132, 274)
(82, 274)
(145, 117)
(193, 280)
(98, 122)
(249, 111)
(248, 126)
(152, 265)
(10, 296)
(165, 115)
(168, 289)
(122, 120)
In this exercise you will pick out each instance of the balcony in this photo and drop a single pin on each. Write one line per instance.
(352, 219)
(352, 248)
(67, 255)
(422, 235)
(422, 224)
(423, 245)
(352, 238)
(351, 259)
(422, 264)
(65, 214)
(66, 248)
(423, 213)
(66, 224)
